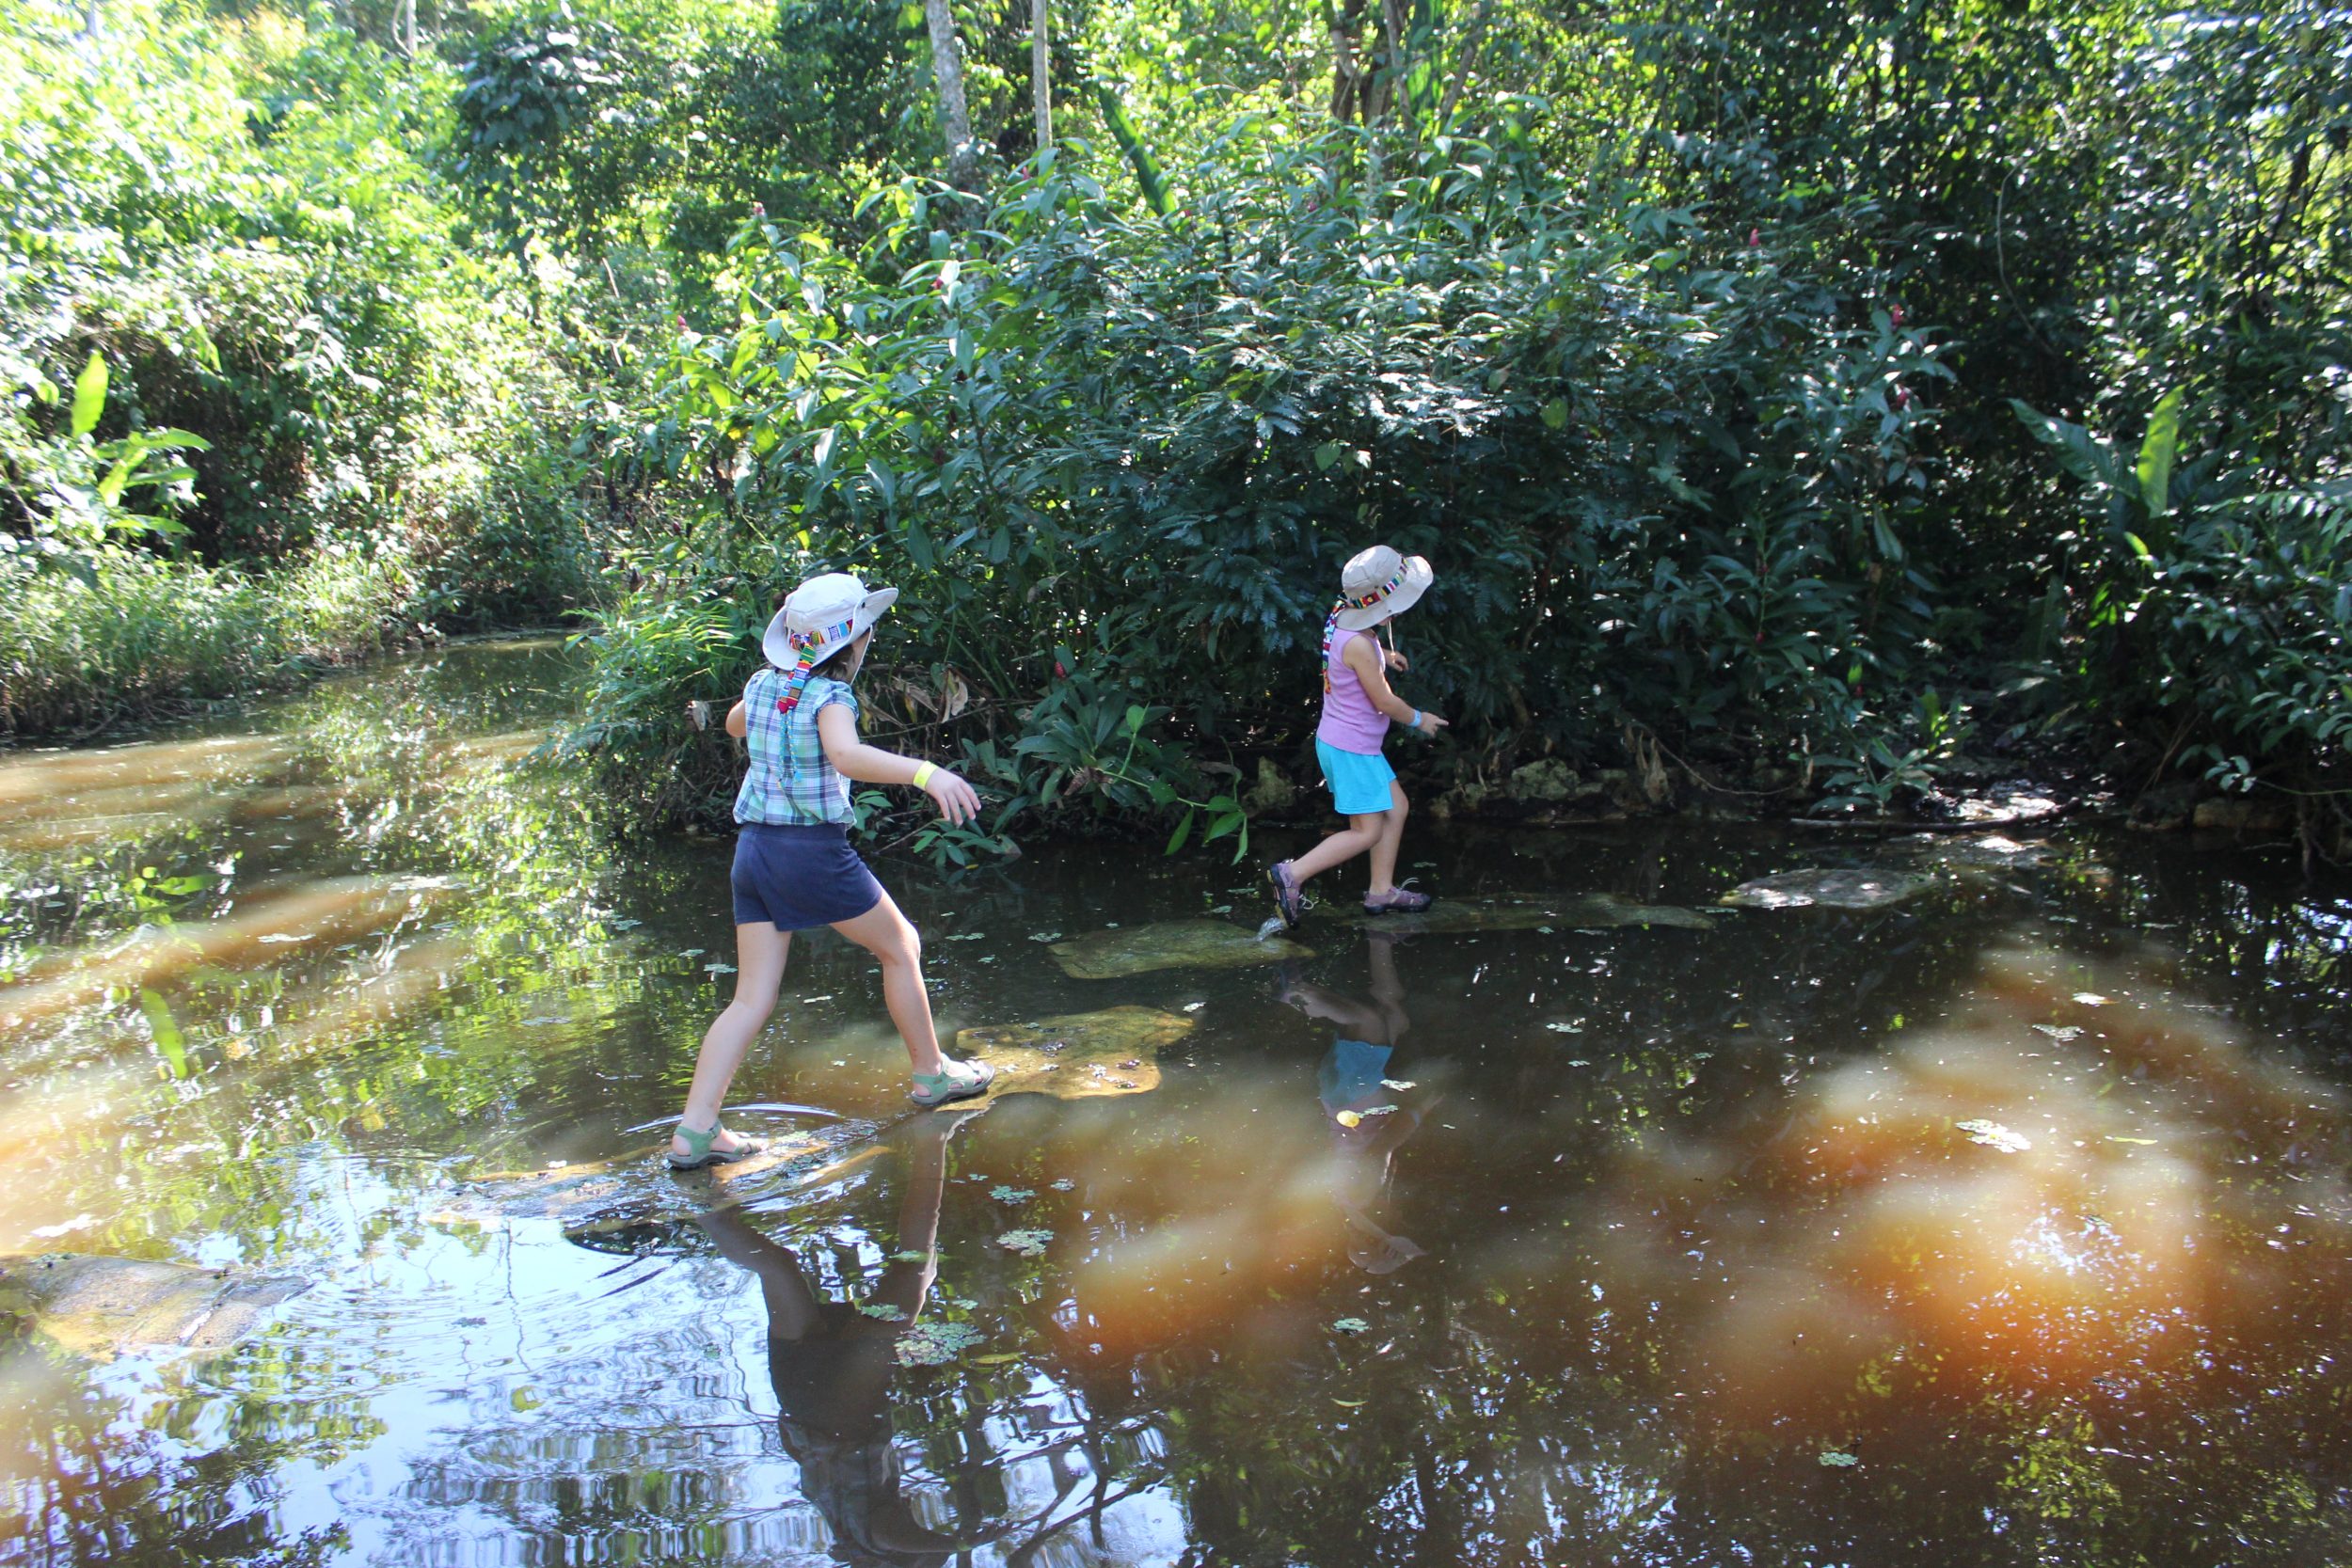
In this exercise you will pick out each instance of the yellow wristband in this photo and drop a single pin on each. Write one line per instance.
(923, 776)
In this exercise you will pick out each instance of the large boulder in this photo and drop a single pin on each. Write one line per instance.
(1547, 781)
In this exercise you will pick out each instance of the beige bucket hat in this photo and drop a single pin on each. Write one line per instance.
(820, 616)
(1377, 583)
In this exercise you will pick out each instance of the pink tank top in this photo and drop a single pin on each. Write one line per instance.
(1350, 722)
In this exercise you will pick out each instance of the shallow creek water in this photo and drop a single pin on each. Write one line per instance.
(2009, 1224)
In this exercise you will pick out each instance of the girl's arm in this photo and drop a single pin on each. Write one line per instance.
(836, 729)
(1363, 656)
(737, 725)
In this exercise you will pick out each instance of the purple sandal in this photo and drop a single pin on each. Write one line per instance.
(1398, 900)
(1289, 901)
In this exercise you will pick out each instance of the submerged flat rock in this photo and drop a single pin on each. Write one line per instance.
(1201, 944)
(107, 1307)
(1071, 1056)
(1837, 890)
(1974, 862)
(1526, 912)
(639, 1186)
(1076, 1055)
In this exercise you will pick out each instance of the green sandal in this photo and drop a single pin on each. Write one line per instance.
(700, 1153)
(961, 1080)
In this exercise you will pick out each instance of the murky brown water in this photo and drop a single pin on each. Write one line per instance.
(2010, 1224)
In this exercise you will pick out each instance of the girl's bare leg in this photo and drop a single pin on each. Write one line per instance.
(1362, 833)
(890, 937)
(1392, 838)
(759, 954)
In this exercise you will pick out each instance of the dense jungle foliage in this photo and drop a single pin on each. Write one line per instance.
(1789, 396)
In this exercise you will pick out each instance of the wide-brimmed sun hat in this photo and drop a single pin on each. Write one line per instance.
(821, 616)
(1379, 582)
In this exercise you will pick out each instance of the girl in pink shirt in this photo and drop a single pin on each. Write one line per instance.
(1357, 707)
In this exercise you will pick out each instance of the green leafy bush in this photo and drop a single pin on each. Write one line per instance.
(1116, 462)
(2215, 600)
(239, 320)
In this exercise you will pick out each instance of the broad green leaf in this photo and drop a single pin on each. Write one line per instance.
(90, 394)
(2155, 453)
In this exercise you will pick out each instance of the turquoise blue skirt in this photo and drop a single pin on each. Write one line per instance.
(1358, 781)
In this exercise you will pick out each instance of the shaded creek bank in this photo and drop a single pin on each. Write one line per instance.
(1985, 1201)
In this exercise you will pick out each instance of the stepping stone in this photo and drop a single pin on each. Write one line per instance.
(1837, 890)
(637, 1185)
(109, 1307)
(1076, 1055)
(1526, 912)
(1072, 1057)
(1171, 944)
(1992, 852)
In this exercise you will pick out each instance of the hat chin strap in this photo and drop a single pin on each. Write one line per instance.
(813, 646)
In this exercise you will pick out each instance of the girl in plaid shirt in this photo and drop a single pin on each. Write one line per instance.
(794, 868)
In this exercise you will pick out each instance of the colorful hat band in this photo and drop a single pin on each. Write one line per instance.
(1331, 622)
(812, 645)
(1375, 596)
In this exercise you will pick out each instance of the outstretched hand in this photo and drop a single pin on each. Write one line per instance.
(1431, 723)
(1396, 661)
(958, 802)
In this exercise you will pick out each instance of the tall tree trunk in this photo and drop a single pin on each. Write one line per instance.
(409, 28)
(1347, 72)
(955, 119)
(1389, 78)
(1041, 77)
(1469, 58)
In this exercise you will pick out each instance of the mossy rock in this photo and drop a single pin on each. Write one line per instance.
(107, 1307)
(1526, 912)
(1171, 944)
(1835, 890)
(1076, 1055)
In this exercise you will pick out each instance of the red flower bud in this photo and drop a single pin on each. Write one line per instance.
(1755, 237)
(759, 208)
(1895, 315)
(1061, 673)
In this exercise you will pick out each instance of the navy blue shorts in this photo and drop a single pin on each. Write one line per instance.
(795, 877)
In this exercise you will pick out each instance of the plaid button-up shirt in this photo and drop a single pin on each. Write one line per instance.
(789, 780)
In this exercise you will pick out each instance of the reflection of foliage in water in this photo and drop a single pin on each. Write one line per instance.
(409, 1030)
(1494, 1411)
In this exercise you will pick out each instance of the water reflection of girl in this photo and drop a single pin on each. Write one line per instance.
(832, 1367)
(1369, 1121)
